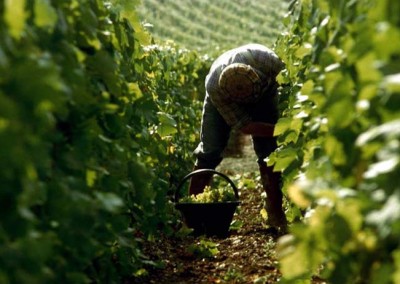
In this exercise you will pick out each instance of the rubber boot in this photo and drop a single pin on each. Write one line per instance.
(273, 203)
(199, 182)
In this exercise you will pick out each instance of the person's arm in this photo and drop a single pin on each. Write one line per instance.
(258, 129)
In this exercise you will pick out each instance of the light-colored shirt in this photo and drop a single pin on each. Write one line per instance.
(262, 59)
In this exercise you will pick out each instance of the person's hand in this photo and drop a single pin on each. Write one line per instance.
(259, 129)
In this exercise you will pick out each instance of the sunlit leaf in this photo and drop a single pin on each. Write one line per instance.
(282, 126)
(307, 88)
(90, 177)
(341, 113)
(298, 196)
(369, 63)
(334, 149)
(111, 108)
(15, 16)
(167, 124)
(264, 214)
(135, 89)
(236, 225)
(298, 259)
(283, 158)
(396, 274)
(45, 15)
(350, 210)
(303, 50)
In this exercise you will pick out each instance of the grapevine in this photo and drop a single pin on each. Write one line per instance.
(338, 140)
(86, 113)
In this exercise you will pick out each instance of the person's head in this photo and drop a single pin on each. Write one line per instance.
(240, 82)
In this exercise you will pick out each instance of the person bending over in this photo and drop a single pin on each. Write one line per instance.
(241, 94)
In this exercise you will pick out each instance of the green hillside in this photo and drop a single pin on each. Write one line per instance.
(206, 25)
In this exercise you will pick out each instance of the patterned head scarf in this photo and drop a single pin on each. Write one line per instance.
(240, 82)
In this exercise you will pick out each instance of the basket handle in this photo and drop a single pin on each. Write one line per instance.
(235, 189)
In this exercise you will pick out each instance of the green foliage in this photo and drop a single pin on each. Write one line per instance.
(89, 121)
(174, 93)
(339, 141)
(233, 275)
(203, 249)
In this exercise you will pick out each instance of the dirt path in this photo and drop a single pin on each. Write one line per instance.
(247, 255)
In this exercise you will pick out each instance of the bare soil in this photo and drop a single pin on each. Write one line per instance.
(245, 256)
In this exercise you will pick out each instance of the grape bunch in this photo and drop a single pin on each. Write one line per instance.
(222, 194)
